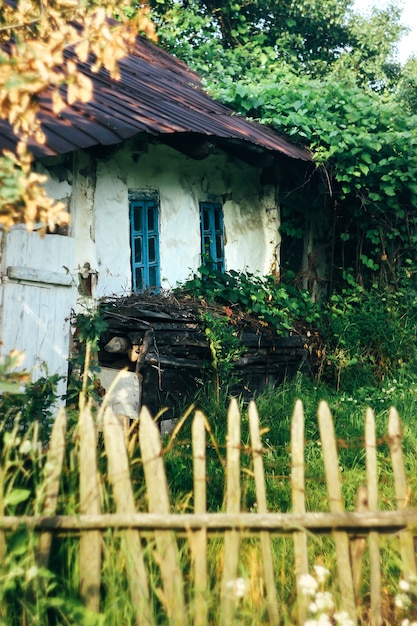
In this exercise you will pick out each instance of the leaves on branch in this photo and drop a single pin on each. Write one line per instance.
(35, 37)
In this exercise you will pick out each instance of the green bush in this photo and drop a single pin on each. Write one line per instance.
(269, 300)
(36, 401)
(368, 335)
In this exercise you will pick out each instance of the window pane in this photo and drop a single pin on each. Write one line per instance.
(206, 220)
(217, 220)
(207, 245)
(144, 242)
(219, 247)
(138, 250)
(137, 219)
(151, 250)
(151, 219)
(139, 278)
(152, 276)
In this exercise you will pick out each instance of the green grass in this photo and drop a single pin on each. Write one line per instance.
(50, 597)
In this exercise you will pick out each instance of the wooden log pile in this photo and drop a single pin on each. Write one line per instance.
(162, 339)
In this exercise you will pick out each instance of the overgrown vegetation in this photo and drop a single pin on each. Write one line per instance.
(330, 78)
(40, 596)
(365, 336)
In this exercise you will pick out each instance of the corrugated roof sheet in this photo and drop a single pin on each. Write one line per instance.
(157, 94)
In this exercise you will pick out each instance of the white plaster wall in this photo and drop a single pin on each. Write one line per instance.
(250, 215)
(97, 196)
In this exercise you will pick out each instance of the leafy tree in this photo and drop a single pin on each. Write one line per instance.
(407, 85)
(34, 35)
(227, 38)
(328, 77)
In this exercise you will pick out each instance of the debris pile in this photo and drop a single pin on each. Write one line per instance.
(162, 339)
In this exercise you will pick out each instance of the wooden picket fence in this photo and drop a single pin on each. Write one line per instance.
(349, 530)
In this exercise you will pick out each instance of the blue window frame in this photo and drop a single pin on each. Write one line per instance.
(212, 234)
(144, 241)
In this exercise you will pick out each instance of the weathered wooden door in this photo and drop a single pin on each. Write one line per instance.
(36, 299)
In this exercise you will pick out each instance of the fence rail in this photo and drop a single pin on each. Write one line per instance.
(348, 529)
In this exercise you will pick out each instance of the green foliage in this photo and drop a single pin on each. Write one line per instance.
(226, 40)
(89, 326)
(328, 77)
(11, 377)
(278, 305)
(369, 335)
(34, 401)
(407, 86)
(368, 151)
(45, 597)
(225, 347)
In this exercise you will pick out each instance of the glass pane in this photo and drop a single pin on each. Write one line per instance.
(137, 219)
(217, 220)
(151, 218)
(152, 250)
(139, 278)
(152, 277)
(138, 250)
(207, 245)
(219, 247)
(206, 220)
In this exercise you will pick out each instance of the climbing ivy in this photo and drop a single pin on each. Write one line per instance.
(367, 149)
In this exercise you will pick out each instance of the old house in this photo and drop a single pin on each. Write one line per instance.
(154, 173)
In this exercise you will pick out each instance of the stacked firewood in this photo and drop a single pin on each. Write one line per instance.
(162, 339)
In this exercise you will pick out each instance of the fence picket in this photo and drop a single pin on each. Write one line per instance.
(258, 466)
(401, 491)
(228, 599)
(158, 498)
(161, 525)
(90, 541)
(331, 466)
(199, 538)
(374, 552)
(131, 548)
(53, 470)
(358, 544)
(298, 504)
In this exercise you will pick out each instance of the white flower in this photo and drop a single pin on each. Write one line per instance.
(310, 622)
(238, 586)
(342, 618)
(404, 585)
(31, 573)
(313, 608)
(324, 620)
(308, 585)
(324, 601)
(322, 573)
(402, 601)
(25, 447)
(405, 622)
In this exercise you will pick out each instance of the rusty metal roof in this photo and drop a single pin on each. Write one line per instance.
(156, 94)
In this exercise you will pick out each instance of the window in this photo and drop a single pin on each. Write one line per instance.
(144, 230)
(212, 234)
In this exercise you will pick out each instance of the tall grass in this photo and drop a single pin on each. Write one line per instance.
(32, 595)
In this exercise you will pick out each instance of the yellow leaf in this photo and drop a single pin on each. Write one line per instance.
(58, 103)
(72, 93)
(82, 50)
(68, 4)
